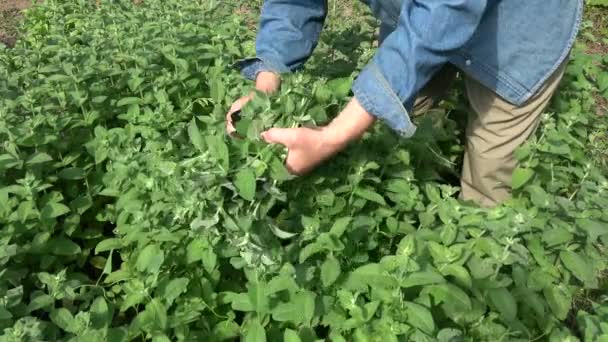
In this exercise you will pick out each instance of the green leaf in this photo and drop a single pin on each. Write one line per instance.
(7, 162)
(195, 136)
(559, 300)
(161, 338)
(370, 275)
(460, 274)
(340, 86)
(38, 158)
(300, 308)
(593, 228)
(72, 173)
(420, 317)
(101, 316)
(194, 251)
(64, 246)
(280, 283)
(174, 289)
(150, 259)
(39, 301)
(63, 318)
(217, 90)
(225, 330)
(330, 270)
(5, 314)
(450, 294)
(370, 195)
(254, 332)
(422, 278)
(449, 335)
(239, 301)
(53, 209)
(520, 177)
(127, 101)
(557, 236)
(107, 269)
(258, 298)
(340, 225)
(581, 268)
(245, 184)
(158, 313)
(108, 244)
(504, 302)
(291, 336)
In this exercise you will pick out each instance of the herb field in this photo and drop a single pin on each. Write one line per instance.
(127, 213)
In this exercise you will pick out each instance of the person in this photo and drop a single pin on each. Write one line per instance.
(512, 55)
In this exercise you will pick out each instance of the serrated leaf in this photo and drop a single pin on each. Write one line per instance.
(422, 278)
(370, 195)
(195, 136)
(559, 300)
(451, 295)
(127, 101)
(340, 87)
(520, 177)
(64, 246)
(194, 250)
(101, 316)
(108, 244)
(460, 274)
(504, 302)
(581, 268)
(72, 173)
(174, 289)
(40, 301)
(225, 330)
(53, 209)
(371, 275)
(63, 318)
(291, 336)
(254, 332)
(38, 158)
(7, 162)
(419, 317)
(158, 313)
(150, 259)
(330, 270)
(245, 184)
(258, 298)
(556, 236)
(593, 228)
(340, 226)
(217, 90)
(300, 308)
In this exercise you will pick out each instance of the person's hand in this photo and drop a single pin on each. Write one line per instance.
(267, 82)
(308, 147)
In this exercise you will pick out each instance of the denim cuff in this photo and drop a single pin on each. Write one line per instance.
(375, 94)
(251, 67)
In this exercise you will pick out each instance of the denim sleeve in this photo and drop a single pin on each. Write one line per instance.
(288, 33)
(427, 33)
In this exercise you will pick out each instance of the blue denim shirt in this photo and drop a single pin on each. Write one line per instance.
(510, 46)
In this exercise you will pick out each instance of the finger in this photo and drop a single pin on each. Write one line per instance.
(283, 136)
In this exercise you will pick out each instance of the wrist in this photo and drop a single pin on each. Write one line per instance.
(267, 82)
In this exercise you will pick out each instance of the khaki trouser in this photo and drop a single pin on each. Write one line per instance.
(494, 130)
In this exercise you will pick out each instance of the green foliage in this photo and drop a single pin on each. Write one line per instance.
(127, 213)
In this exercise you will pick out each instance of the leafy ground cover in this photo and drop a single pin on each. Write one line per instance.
(128, 214)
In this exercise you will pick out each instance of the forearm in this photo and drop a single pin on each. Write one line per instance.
(428, 32)
(349, 125)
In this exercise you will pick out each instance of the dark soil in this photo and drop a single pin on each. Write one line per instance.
(10, 14)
